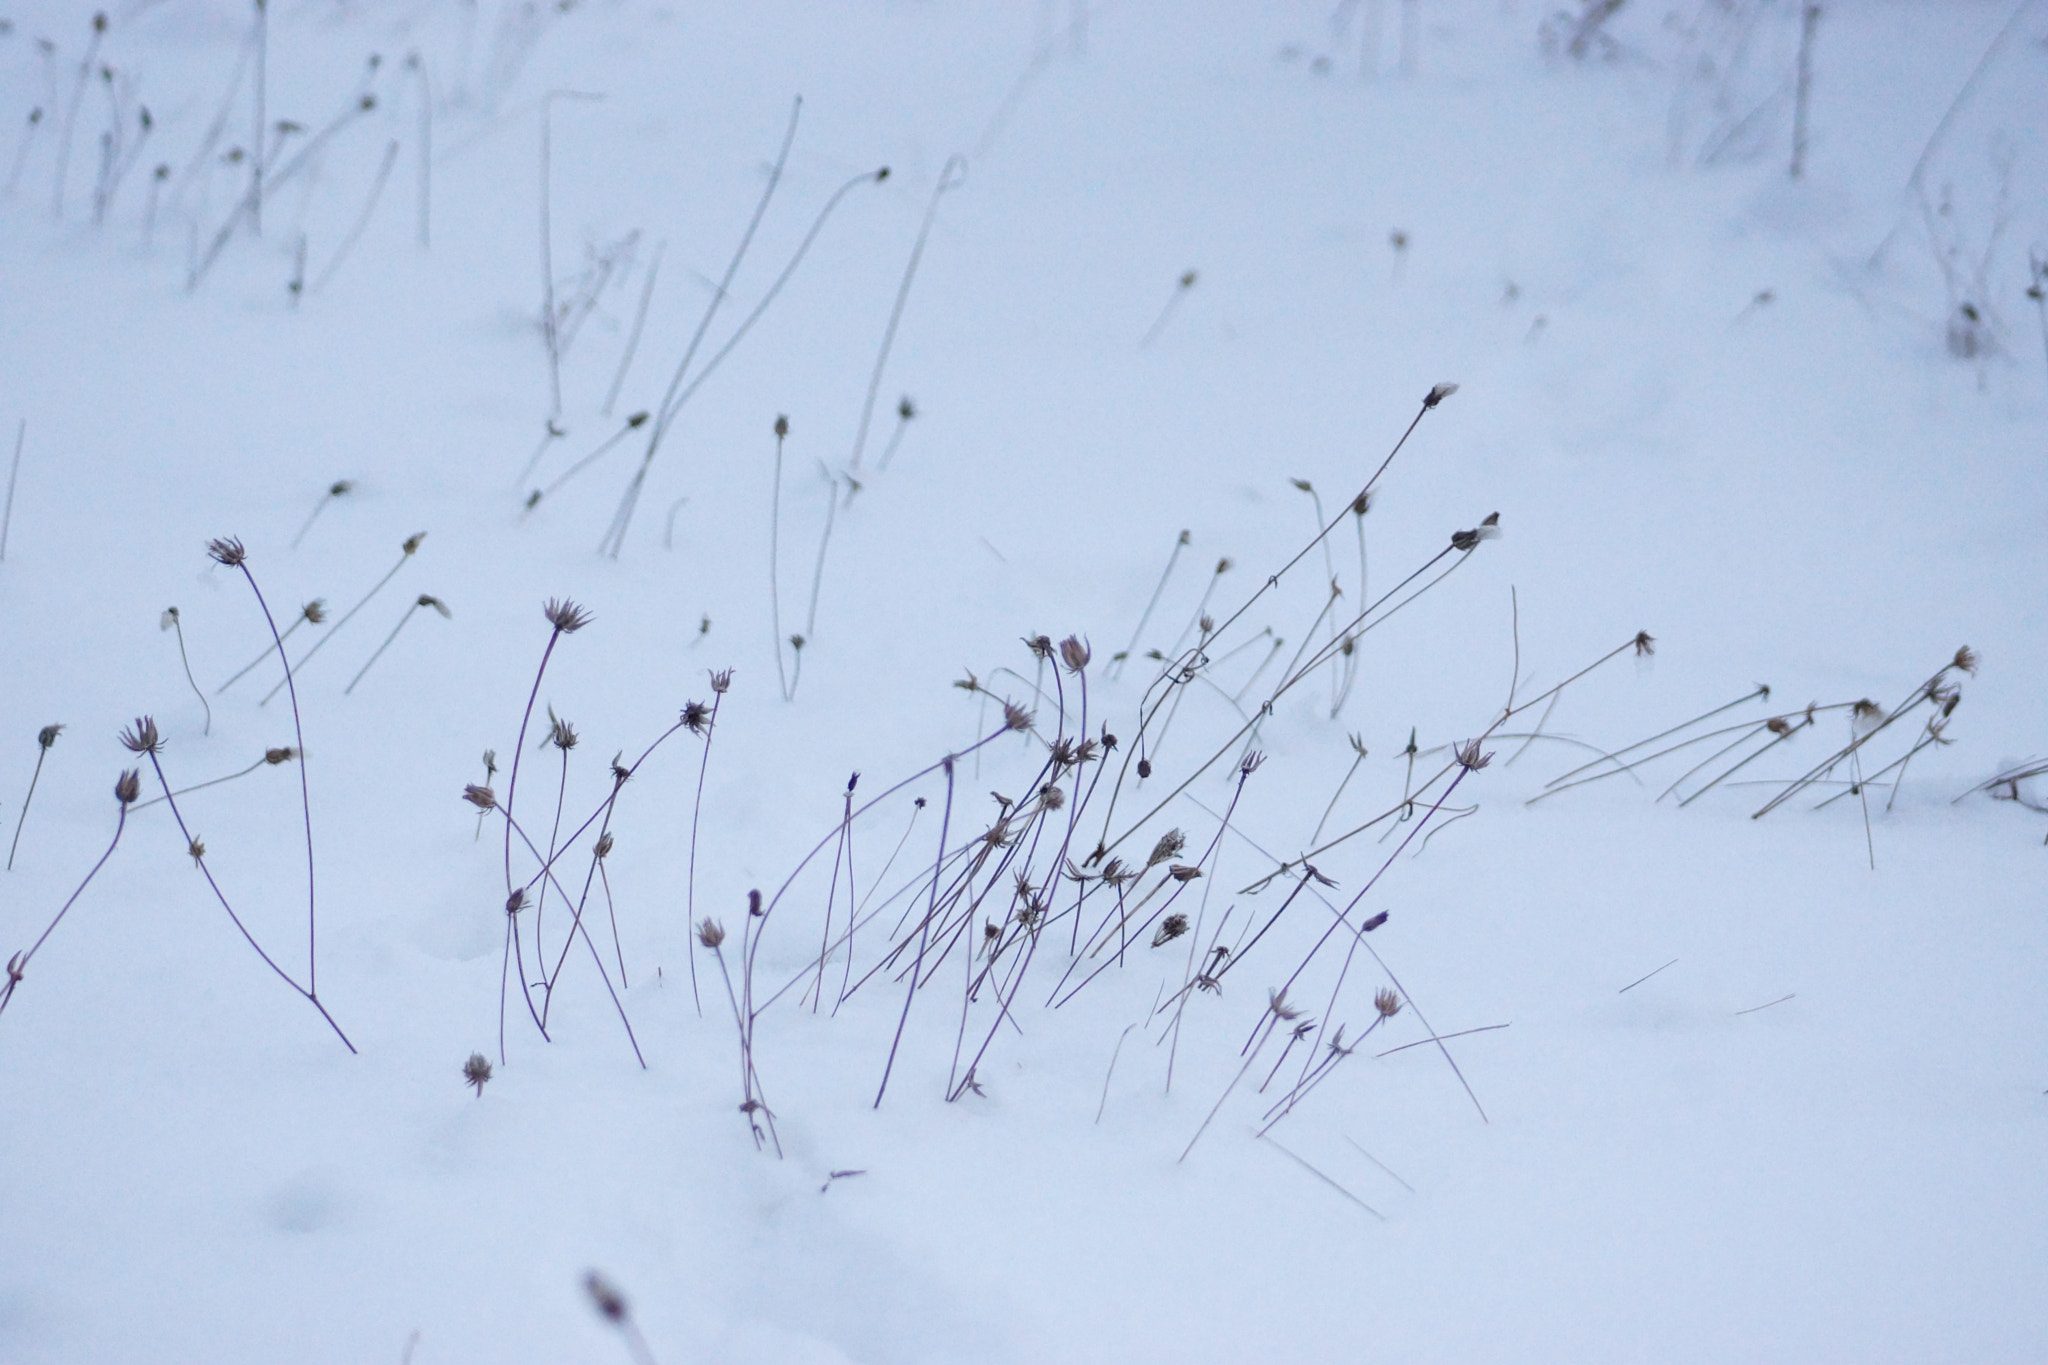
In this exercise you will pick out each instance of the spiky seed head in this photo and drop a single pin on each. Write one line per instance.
(621, 774)
(280, 755)
(1170, 928)
(604, 844)
(128, 787)
(483, 798)
(1966, 660)
(427, 600)
(412, 542)
(515, 902)
(227, 550)
(561, 733)
(989, 932)
(1438, 394)
(1170, 843)
(1276, 1001)
(1469, 757)
(1208, 625)
(196, 850)
(1074, 654)
(1251, 763)
(710, 933)
(695, 717)
(565, 616)
(47, 736)
(1015, 717)
(1183, 872)
(781, 426)
(1040, 646)
(476, 1071)
(610, 1304)
(142, 737)
(722, 679)
(1386, 1002)
(315, 610)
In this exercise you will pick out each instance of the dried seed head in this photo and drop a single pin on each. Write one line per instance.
(561, 733)
(1040, 646)
(483, 798)
(1375, 922)
(168, 619)
(412, 542)
(276, 756)
(1966, 660)
(142, 738)
(905, 408)
(710, 933)
(1224, 565)
(227, 550)
(1386, 1002)
(1865, 713)
(1061, 754)
(1303, 484)
(989, 932)
(341, 488)
(516, 901)
(195, 849)
(490, 761)
(565, 616)
(636, 421)
(128, 787)
(1170, 928)
(754, 904)
(695, 717)
(1777, 726)
(476, 1071)
(1645, 643)
(1250, 763)
(1361, 504)
(1015, 717)
(1470, 758)
(1208, 625)
(1438, 394)
(781, 427)
(1170, 843)
(621, 774)
(722, 679)
(315, 610)
(1276, 1001)
(48, 735)
(1188, 278)
(610, 1304)
(1182, 872)
(436, 603)
(1051, 797)
(1144, 768)
(1074, 654)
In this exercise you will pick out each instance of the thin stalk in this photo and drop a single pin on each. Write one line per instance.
(422, 601)
(17, 966)
(1117, 661)
(362, 221)
(407, 551)
(44, 739)
(340, 488)
(950, 178)
(719, 683)
(172, 619)
(818, 572)
(633, 337)
(923, 934)
(312, 611)
(775, 557)
(13, 473)
(271, 758)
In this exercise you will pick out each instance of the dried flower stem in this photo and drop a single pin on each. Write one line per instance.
(1118, 660)
(406, 552)
(266, 761)
(13, 473)
(46, 737)
(923, 933)
(633, 336)
(950, 178)
(17, 966)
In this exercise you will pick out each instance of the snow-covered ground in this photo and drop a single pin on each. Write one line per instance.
(1163, 285)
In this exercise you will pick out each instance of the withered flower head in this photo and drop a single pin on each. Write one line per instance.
(490, 761)
(436, 603)
(1777, 726)
(516, 901)
(168, 619)
(142, 738)
(1170, 843)
(1224, 564)
(196, 850)
(1061, 754)
(48, 735)
(412, 542)
(1250, 763)
(1015, 717)
(1188, 278)
(604, 844)
(1276, 1001)
(128, 787)
(1966, 660)
(1170, 928)
(281, 755)
(1144, 768)
(989, 932)
(227, 550)
(637, 420)
(1438, 394)
(1051, 796)
(1182, 872)
(1303, 484)
(721, 680)
(610, 1303)
(565, 616)
(695, 716)
(754, 904)
(1464, 540)
(1040, 645)
(1470, 758)
(1387, 1003)
(1645, 643)
(476, 1071)
(905, 408)
(315, 610)
(561, 733)
(1361, 504)
(1865, 712)
(710, 933)
(621, 774)
(781, 426)
(341, 488)
(483, 798)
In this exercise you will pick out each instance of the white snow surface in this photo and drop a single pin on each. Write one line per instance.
(1739, 411)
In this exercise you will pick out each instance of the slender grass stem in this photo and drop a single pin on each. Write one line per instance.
(17, 966)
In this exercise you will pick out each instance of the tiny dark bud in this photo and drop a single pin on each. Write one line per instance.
(1144, 768)
(1375, 922)
(48, 735)
(781, 427)
(128, 787)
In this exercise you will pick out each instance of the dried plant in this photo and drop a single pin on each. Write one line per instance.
(45, 737)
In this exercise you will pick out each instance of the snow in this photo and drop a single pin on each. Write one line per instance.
(1708, 401)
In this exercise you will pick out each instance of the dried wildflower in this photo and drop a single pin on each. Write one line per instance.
(47, 736)
(412, 542)
(1387, 1003)
(1251, 762)
(515, 902)
(1361, 504)
(1116, 874)
(1865, 713)
(604, 844)
(1777, 726)
(1438, 394)
(561, 733)
(905, 408)
(695, 717)
(722, 679)
(565, 616)
(1061, 755)
(196, 850)
(1208, 628)
(1039, 645)
(710, 933)
(610, 1303)
(428, 600)
(1470, 758)
(781, 426)
(1375, 922)
(1966, 660)
(1276, 1001)
(227, 550)
(142, 737)
(483, 798)
(168, 619)
(1183, 872)
(1051, 797)
(128, 787)
(1170, 928)
(989, 932)
(1074, 654)
(1144, 768)
(476, 1071)
(1170, 843)
(1086, 751)
(1303, 484)
(490, 762)
(970, 683)
(1015, 717)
